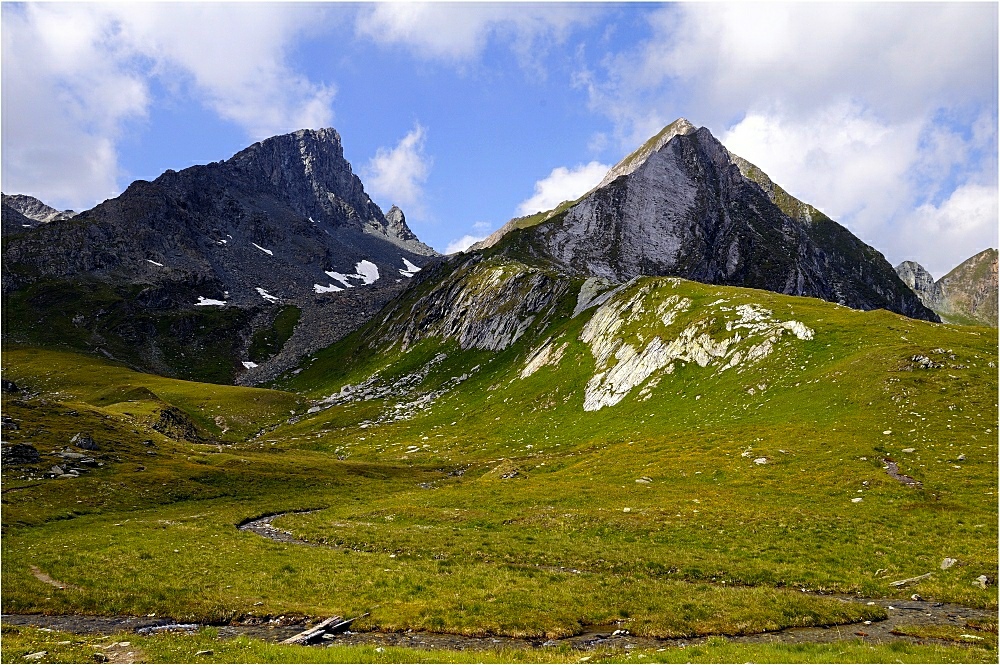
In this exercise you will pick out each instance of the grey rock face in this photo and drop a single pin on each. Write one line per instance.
(688, 209)
(967, 294)
(970, 290)
(922, 283)
(481, 305)
(277, 216)
(34, 209)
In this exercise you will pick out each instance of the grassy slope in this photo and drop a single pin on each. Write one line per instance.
(715, 543)
(195, 343)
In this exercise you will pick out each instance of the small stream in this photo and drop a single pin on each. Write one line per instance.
(612, 637)
(900, 613)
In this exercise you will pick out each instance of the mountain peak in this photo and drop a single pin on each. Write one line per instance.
(34, 209)
(679, 127)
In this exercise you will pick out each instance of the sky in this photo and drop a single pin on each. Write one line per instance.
(883, 116)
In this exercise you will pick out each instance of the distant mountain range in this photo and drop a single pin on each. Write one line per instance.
(967, 294)
(236, 270)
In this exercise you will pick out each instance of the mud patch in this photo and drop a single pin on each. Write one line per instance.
(893, 470)
(617, 636)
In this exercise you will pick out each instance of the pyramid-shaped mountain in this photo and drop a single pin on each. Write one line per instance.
(682, 205)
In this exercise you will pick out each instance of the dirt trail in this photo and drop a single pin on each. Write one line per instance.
(42, 577)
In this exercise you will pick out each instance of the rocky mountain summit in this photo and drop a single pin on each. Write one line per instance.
(283, 223)
(967, 294)
(20, 212)
(682, 205)
(34, 209)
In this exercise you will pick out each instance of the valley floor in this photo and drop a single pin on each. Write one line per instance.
(842, 480)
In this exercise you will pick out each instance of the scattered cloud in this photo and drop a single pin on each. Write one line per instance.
(66, 97)
(397, 175)
(843, 160)
(463, 243)
(76, 75)
(711, 62)
(878, 114)
(563, 184)
(961, 226)
(459, 32)
(480, 231)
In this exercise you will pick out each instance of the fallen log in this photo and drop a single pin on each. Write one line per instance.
(311, 633)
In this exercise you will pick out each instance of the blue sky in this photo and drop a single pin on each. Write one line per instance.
(467, 114)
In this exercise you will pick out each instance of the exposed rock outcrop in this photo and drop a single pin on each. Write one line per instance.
(480, 305)
(966, 295)
(682, 205)
(922, 283)
(625, 361)
(34, 209)
(970, 290)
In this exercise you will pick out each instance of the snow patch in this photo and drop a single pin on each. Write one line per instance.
(155, 263)
(203, 301)
(408, 269)
(340, 277)
(266, 251)
(367, 271)
(267, 296)
(319, 288)
(249, 364)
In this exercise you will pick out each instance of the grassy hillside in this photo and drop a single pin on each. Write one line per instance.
(683, 459)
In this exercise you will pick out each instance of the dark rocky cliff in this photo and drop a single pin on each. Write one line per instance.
(283, 223)
(684, 206)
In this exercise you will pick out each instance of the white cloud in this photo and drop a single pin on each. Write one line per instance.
(397, 176)
(882, 115)
(463, 243)
(901, 59)
(480, 231)
(65, 99)
(842, 160)
(459, 32)
(563, 184)
(75, 75)
(235, 58)
(961, 226)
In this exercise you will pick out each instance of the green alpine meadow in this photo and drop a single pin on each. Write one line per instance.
(681, 416)
(675, 460)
